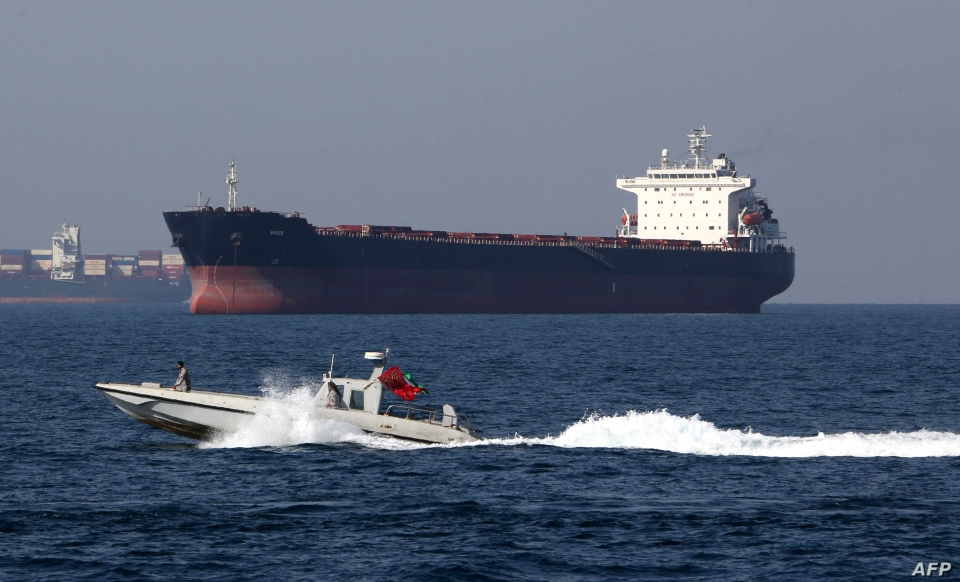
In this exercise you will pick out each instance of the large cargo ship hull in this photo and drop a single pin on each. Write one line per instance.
(249, 262)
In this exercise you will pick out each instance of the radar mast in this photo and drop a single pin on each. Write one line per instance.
(232, 181)
(698, 146)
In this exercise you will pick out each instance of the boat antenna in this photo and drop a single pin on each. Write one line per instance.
(332, 356)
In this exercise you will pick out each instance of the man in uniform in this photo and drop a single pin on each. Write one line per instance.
(183, 380)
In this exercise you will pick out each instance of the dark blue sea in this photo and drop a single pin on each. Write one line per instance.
(803, 443)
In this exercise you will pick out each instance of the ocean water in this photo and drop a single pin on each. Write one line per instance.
(804, 443)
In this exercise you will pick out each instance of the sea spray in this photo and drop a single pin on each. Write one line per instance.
(288, 417)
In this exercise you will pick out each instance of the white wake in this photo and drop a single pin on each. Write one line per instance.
(288, 418)
(662, 431)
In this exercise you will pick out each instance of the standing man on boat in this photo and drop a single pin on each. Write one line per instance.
(183, 379)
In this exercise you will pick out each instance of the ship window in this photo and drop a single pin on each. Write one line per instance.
(657, 176)
(644, 215)
(356, 399)
(699, 175)
(711, 228)
(644, 228)
(654, 228)
(656, 189)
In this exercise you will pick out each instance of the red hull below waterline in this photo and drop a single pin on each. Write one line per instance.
(238, 290)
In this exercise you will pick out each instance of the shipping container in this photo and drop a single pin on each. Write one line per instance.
(41, 252)
(149, 255)
(149, 263)
(11, 268)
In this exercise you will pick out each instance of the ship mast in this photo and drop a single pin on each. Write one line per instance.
(698, 146)
(232, 181)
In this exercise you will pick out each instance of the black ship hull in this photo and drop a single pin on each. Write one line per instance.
(264, 262)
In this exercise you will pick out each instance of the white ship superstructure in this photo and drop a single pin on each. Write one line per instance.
(66, 256)
(700, 200)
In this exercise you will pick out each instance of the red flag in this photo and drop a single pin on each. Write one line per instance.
(393, 379)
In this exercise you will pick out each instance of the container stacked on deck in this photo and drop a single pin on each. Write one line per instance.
(123, 266)
(41, 261)
(12, 261)
(172, 265)
(149, 262)
(95, 265)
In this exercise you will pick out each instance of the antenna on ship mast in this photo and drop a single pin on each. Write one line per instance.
(232, 181)
(698, 145)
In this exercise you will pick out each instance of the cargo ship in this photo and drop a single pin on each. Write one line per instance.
(702, 240)
(63, 274)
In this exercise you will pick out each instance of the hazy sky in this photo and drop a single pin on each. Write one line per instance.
(491, 116)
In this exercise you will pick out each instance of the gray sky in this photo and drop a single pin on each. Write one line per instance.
(489, 116)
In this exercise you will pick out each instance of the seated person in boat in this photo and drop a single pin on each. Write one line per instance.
(334, 398)
(183, 379)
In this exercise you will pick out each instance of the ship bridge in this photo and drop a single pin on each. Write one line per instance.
(700, 199)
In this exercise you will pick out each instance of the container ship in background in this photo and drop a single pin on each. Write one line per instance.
(700, 241)
(64, 275)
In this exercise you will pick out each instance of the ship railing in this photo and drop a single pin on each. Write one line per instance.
(620, 243)
(430, 415)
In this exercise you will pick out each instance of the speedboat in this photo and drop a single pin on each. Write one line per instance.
(205, 415)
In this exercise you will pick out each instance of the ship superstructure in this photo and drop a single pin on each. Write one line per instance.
(66, 257)
(700, 200)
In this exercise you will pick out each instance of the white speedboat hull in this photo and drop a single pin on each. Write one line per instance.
(205, 415)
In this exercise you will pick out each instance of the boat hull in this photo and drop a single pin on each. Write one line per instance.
(207, 415)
